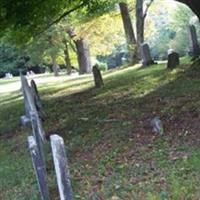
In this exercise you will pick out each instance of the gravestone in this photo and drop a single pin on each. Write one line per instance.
(173, 59)
(146, 55)
(33, 116)
(194, 46)
(39, 168)
(97, 76)
(8, 76)
(38, 134)
(25, 121)
(28, 96)
(36, 98)
(61, 167)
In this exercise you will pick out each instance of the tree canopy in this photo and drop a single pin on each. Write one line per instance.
(27, 18)
(193, 4)
(41, 29)
(34, 16)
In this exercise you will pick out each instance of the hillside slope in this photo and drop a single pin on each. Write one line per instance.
(112, 150)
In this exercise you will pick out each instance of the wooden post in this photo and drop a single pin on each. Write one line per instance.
(61, 167)
(39, 168)
(97, 76)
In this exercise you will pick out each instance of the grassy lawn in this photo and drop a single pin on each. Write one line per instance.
(112, 151)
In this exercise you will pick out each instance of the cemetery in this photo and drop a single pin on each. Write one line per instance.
(100, 100)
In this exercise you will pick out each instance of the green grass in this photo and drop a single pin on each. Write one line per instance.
(112, 151)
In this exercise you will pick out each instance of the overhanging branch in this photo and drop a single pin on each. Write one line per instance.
(60, 18)
(65, 14)
(147, 8)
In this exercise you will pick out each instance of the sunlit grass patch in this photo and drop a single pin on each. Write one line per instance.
(112, 151)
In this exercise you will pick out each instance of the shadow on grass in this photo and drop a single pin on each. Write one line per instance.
(10, 97)
(126, 96)
(80, 113)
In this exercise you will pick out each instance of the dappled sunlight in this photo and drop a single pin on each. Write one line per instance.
(137, 82)
(9, 98)
(100, 100)
(101, 126)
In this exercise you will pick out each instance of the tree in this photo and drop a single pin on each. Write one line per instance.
(47, 47)
(29, 18)
(11, 60)
(129, 32)
(180, 21)
(141, 14)
(82, 50)
(67, 57)
(17, 14)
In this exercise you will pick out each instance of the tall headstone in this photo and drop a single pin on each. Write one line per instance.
(32, 116)
(39, 168)
(37, 100)
(38, 133)
(61, 167)
(97, 76)
(36, 95)
(194, 46)
(27, 98)
(146, 55)
(173, 59)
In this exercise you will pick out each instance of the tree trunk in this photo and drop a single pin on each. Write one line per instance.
(83, 55)
(129, 32)
(67, 59)
(139, 23)
(55, 66)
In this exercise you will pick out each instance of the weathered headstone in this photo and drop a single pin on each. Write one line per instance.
(38, 133)
(33, 117)
(8, 76)
(24, 86)
(97, 76)
(32, 100)
(37, 125)
(36, 98)
(39, 168)
(146, 55)
(194, 46)
(25, 121)
(173, 59)
(28, 96)
(61, 167)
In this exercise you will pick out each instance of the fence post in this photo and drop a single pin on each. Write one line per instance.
(39, 168)
(61, 167)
